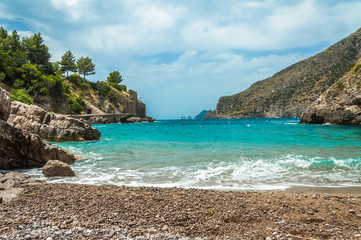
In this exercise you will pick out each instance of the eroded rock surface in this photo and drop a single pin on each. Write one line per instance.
(50, 126)
(19, 149)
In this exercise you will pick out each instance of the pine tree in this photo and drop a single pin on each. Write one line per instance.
(114, 77)
(67, 63)
(85, 66)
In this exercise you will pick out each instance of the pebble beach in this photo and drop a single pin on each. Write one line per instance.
(75, 211)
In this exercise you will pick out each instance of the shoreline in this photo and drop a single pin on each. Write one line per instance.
(113, 212)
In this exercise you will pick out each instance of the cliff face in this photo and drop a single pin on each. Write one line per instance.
(50, 126)
(289, 92)
(19, 148)
(340, 104)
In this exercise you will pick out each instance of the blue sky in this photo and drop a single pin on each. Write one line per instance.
(180, 55)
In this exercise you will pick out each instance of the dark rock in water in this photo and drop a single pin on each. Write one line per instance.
(139, 119)
(340, 104)
(5, 104)
(19, 149)
(55, 168)
(211, 115)
(50, 126)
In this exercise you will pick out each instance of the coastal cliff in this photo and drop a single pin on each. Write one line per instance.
(28, 74)
(50, 126)
(289, 92)
(21, 149)
(340, 104)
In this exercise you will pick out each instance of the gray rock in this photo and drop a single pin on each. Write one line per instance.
(19, 149)
(50, 126)
(5, 104)
(57, 168)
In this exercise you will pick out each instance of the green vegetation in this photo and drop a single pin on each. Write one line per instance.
(68, 63)
(340, 86)
(85, 66)
(25, 68)
(21, 95)
(357, 68)
(114, 77)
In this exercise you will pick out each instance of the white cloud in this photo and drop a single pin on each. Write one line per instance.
(77, 10)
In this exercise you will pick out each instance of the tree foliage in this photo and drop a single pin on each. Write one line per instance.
(67, 63)
(114, 77)
(85, 66)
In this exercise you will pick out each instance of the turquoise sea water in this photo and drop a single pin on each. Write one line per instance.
(219, 154)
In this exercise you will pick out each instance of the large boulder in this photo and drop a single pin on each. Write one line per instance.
(5, 104)
(20, 149)
(55, 168)
(55, 127)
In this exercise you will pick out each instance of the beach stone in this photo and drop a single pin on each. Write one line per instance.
(57, 168)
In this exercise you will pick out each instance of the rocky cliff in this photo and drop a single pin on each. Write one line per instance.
(340, 104)
(289, 92)
(50, 126)
(20, 149)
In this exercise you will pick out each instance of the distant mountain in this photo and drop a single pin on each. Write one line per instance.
(289, 92)
(340, 104)
(201, 114)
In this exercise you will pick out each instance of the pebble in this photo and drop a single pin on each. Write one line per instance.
(351, 211)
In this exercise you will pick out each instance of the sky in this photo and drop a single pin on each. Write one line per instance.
(182, 55)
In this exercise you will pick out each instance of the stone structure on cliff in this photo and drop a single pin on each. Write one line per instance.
(340, 104)
(19, 148)
(55, 127)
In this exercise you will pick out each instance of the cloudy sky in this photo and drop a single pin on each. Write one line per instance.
(182, 55)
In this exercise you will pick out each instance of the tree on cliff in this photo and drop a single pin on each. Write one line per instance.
(67, 63)
(85, 66)
(114, 77)
(38, 52)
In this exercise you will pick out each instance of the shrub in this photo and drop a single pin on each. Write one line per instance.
(112, 96)
(21, 95)
(357, 68)
(340, 86)
(75, 79)
(117, 86)
(104, 90)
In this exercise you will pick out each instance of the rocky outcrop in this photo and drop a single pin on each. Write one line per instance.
(54, 168)
(139, 119)
(5, 104)
(340, 104)
(289, 92)
(50, 126)
(211, 115)
(12, 184)
(19, 149)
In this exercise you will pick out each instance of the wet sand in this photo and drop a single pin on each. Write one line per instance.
(72, 211)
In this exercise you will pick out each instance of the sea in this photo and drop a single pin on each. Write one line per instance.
(229, 154)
